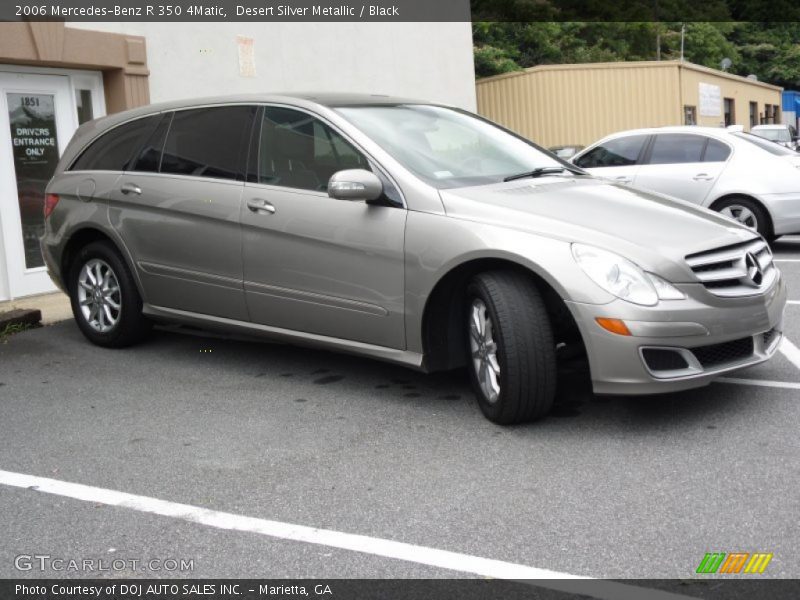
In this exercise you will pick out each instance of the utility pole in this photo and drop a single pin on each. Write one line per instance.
(683, 35)
(658, 29)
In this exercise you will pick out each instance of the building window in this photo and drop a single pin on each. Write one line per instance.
(690, 115)
(772, 115)
(730, 113)
(753, 114)
(83, 102)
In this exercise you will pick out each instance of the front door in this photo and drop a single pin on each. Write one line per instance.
(315, 264)
(37, 119)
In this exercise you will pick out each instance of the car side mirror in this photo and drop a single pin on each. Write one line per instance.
(355, 185)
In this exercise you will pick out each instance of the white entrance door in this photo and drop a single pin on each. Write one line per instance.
(37, 119)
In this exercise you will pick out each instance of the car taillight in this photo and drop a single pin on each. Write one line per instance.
(50, 201)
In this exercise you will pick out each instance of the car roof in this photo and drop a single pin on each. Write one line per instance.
(779, 126)
(307, 100)
(328, 99)
(712, 131)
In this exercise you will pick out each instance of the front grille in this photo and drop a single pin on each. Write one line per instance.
(724, 353)
(662, 359)
(769, 337)
(739, 270)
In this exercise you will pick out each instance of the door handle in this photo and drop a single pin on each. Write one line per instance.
(259, 205)
(702, 177)
(131, 188)
(623, 179)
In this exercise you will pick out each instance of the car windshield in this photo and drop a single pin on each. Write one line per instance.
(767, 145)
(448, 148)
(776, 135)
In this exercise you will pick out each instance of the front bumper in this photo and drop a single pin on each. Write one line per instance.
(712, 335)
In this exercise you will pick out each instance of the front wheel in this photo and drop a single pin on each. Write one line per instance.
(105, 302)
(511, 349)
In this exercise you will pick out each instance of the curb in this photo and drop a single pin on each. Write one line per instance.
(20, 316)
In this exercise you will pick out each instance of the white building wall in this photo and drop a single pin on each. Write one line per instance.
(430, 61)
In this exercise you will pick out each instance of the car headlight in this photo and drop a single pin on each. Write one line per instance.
(623, 278)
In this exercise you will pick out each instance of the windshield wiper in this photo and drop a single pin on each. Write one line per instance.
(541, 171)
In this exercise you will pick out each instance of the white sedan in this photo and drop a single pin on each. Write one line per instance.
(745, 177)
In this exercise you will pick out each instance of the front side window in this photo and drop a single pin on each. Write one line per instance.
(208, 142)
(298, 150)
(113, 150)
(619, 152)
(676, 148)
(445, 147)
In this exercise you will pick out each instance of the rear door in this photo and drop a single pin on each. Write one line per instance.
(683, 165)
(177, 209)
(616, 159)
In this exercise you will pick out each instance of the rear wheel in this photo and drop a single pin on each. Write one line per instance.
(747, 212)
(105, 302)
(511, 349)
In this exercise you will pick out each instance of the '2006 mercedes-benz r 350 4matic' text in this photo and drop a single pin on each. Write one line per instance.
(403, 231)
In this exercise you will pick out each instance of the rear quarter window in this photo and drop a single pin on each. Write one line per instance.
(716, 151)
(113, 150)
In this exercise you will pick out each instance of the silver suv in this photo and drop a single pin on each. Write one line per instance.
(403, 231)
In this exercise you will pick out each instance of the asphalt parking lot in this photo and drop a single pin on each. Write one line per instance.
(608, 487)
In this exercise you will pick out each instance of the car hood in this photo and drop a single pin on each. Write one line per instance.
(653, 230)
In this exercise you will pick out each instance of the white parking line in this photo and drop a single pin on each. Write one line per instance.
(793, 302)
(789, 385)
(454, 561)
(790, 351)
(786, 260)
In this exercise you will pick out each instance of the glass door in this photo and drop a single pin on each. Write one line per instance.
(37, 119)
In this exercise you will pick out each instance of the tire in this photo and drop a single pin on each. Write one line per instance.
(106, 317)
(747, 212)
(520, 333)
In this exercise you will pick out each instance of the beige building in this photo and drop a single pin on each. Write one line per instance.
(578, 104)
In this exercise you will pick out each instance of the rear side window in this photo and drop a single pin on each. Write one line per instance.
(716, 151)
(619, 152)
(676, 148)
(208, 142)
(113, 150)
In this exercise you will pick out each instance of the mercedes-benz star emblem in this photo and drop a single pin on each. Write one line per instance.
(754, 272)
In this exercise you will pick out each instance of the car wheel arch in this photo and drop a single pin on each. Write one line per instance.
(80, 238)
(442, 319)
(714, 205)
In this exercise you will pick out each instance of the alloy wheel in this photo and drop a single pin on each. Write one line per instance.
(742, 214)
(483, 349)
(99, 295)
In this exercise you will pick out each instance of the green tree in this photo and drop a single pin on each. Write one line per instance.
(771, 51)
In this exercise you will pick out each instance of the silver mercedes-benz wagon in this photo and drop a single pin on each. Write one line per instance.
(403, 231)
